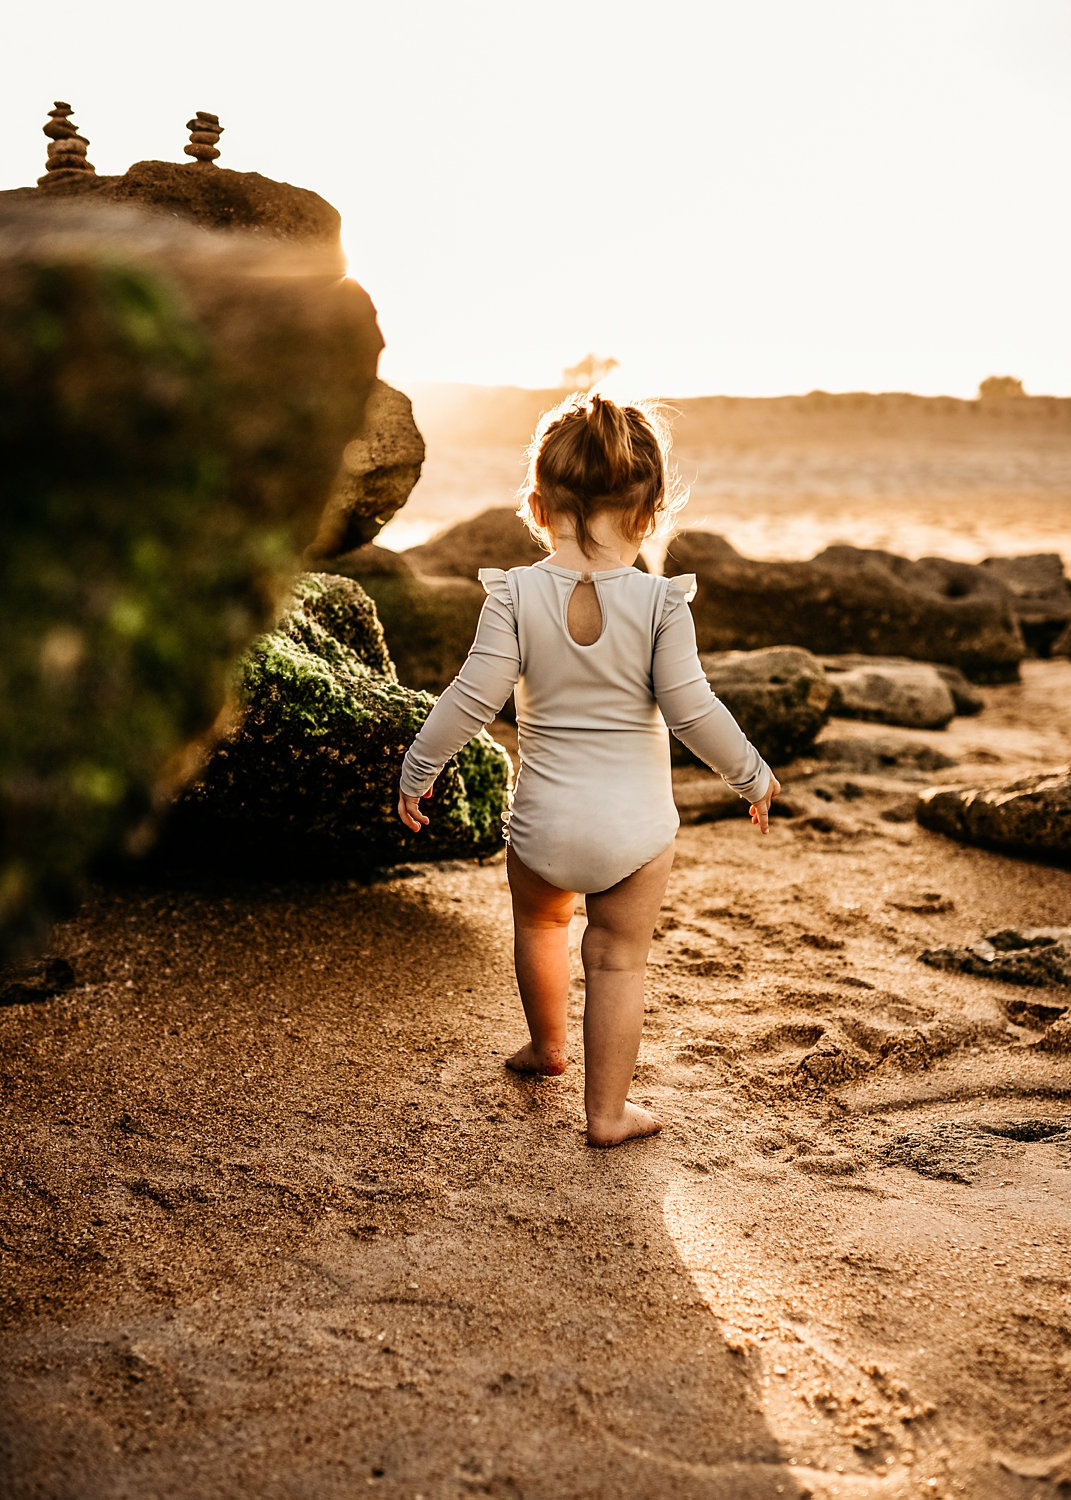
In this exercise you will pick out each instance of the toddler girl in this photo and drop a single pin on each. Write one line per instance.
(603, 657)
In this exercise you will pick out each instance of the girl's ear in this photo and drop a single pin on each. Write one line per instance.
(535, 505)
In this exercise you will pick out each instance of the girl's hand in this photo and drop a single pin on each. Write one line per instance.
(409, 811)
(760, 811)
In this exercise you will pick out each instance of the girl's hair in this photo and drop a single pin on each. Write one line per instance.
(588, 456)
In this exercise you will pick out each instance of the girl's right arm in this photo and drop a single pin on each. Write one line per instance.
(698, 718)
(472, 700)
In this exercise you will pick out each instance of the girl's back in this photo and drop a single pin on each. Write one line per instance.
(567, 685)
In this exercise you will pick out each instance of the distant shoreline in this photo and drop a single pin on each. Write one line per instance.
(484, 416)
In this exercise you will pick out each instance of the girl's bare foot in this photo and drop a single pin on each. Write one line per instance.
(634, 1124)
(550, 1063)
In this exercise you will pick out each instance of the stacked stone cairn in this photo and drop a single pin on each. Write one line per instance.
(66, 148)
(205, 130)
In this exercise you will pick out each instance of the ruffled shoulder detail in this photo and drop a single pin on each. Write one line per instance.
(496, 584)
(683, 585)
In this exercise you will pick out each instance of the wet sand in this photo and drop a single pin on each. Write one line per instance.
(278, 1222)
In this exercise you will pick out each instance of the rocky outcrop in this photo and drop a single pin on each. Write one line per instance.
(780, 697)
(1032, 816)
(307, 776)
(380, 466)
(1042, 596)
(173, 408)
(850, 600)
(428, 623)
(496, 538)
(1031, 956)
(214, 197)
(910, 694)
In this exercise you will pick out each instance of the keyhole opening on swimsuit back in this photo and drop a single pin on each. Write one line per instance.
(584, 613)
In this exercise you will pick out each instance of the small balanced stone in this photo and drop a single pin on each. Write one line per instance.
(66, 148)
(205, 130)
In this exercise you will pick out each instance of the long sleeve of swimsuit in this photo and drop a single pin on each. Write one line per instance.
(698, 718)
(472, 700)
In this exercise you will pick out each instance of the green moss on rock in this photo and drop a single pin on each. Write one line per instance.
(308, 775)
(172, 410)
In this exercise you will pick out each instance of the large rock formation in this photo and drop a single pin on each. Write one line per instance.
(1042, 596)
(173, 407)
(307, 775)
(198, 190)
(780, 697)
(1032, 816)
(380, 466)
(850, 600)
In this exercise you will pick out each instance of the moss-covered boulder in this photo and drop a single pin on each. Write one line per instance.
(428, 623)
(307, 776)
(173, 407)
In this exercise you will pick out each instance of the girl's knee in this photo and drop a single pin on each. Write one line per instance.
(605, 948)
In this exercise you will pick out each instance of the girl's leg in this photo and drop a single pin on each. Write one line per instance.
(620, 925)
(541, 917)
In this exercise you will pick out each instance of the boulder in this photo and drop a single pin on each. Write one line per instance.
(219, 199)
(967, 699)
(1031, 956)
(429, 623)
(1031, 816)
(911, 694)
(306, 777)
(1042, 596)
(496, 538)
(369, 561)
(902, 759)
(780, 696)
(379, 469)
(850, 600)
(173, 407)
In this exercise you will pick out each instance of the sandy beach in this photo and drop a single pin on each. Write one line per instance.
(277, 1221)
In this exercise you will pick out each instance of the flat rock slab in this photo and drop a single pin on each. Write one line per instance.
(1034, 956)
(911, 694)
(883, 756)
(1031, 816)
(967, 698)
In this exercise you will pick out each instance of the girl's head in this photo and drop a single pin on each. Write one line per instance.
(590, 457)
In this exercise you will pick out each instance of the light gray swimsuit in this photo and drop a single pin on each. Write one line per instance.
(594, 798)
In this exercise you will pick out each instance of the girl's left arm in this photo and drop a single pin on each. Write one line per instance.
(472, 700)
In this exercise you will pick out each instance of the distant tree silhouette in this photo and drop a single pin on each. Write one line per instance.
(996, 386)
(588, 372)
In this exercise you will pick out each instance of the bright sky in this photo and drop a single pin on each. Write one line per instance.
(751, 198)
